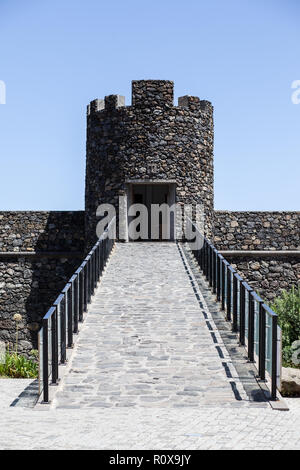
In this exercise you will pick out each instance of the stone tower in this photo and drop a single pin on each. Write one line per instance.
(151, 151)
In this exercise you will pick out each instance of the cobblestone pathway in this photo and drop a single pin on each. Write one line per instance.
(146, 340)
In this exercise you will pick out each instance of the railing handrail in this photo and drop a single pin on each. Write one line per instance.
(269, 310)
(61, 320)
(224, 281)
(239, 278)
(49, 313)
(66, 288)
(58, 299)
(247, 287)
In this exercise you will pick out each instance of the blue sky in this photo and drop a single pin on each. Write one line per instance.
(56, 56)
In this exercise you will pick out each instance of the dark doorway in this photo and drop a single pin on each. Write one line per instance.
(160, 221)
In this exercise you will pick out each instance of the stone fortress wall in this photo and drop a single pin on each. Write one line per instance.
(256, 230)
(39, 252)
(263, 246)
(151, 140)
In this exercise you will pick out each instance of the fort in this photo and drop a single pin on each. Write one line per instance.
(151, 152)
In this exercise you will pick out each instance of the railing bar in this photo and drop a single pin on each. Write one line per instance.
(234, 303)
(251, 328)
(45, 361)
(54, 347)
(274, 358)
(63, 331)
(70, 317)
(262, 342)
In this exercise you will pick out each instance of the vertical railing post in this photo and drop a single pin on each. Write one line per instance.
(95, 270)
(202, 256)
(242, 314)
(223, 285)
(99, 262)
(88, 270)
(70, 316)
(92, 273)
(211, 266)
(101, 257)
(63, 345)
(91, 277)
(45, 325)
(75, 303)
(81, 294)
(54, 345)
(274, 358)
(107, 246)
(210, 253)
(262, 342)
(218, 279)
(234, 303)
(96, 266)
(214, 271)
(104, 252)
(85, 280)
(207, 261)
(228, 296)
(251, 328)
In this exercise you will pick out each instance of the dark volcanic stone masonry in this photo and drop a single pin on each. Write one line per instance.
(257, 230)
(39, 252)
(29, 286)
(268, 275)
(150, 140)
(41, 231)
(261, 231)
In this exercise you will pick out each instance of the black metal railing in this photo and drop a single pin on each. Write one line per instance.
(255, 323)
(61, 321)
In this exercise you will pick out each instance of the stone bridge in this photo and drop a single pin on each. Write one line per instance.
(150, 339)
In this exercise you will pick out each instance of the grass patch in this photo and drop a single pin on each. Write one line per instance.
(17, 366)
(287, 307)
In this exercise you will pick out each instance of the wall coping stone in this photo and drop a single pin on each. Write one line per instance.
(260, 253)
(41, 254)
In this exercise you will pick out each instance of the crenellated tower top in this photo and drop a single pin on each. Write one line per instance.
(149, 94)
